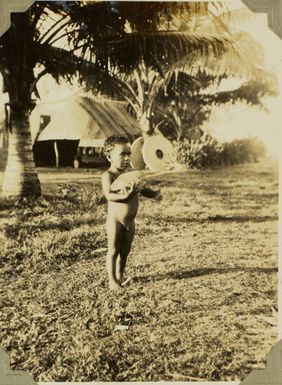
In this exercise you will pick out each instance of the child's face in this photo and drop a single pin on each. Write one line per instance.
(119, 156)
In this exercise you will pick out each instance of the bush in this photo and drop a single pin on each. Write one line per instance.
(242, 151)
(208, 152)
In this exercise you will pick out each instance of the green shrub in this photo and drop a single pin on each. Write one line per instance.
(242, 151)
(208, 152)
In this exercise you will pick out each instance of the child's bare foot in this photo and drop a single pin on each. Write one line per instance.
(115, 286)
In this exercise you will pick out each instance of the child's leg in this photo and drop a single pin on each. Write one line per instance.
(125, 247)
(114, 234)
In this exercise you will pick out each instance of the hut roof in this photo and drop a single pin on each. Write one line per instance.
(83, 119)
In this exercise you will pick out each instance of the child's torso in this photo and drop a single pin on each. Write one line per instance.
(123, 212)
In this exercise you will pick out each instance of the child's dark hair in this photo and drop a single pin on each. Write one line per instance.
(112, 140)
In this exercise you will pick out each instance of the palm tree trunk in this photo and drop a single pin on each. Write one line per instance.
(20, 177)
(145, 125)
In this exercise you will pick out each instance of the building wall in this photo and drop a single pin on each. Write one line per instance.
(45, 155)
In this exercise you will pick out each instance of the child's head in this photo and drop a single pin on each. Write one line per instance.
(117, 150)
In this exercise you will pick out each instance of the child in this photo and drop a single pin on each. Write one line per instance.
(122, 209)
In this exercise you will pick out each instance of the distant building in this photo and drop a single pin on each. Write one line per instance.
(79, 124)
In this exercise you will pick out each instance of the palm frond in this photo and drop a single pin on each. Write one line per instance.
(99, 81)
(157, 49)
(234, 63)
(58, 62)
(251, 92)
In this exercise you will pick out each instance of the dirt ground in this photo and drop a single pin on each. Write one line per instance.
(202, 300)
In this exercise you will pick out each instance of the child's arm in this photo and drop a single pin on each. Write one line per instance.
(113, 196)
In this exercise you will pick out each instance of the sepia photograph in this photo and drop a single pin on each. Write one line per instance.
(139, 190)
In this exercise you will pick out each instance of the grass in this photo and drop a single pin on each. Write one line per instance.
(202, 302)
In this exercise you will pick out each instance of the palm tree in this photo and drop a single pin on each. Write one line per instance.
(22, 48)
(95, 38)
(143, 84)
(187, 102)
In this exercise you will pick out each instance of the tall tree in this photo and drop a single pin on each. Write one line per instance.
(145, 86)
(180, 110)
(22, 48)
(87, 38)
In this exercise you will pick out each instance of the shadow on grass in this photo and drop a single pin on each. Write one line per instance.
(220, 218)
(241, 218)
(201, 272)
(12, 231)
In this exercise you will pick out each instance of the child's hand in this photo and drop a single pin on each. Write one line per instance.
(134, 188)
(127, 192)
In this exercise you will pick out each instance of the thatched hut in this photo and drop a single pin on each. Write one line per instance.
(60, 129)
